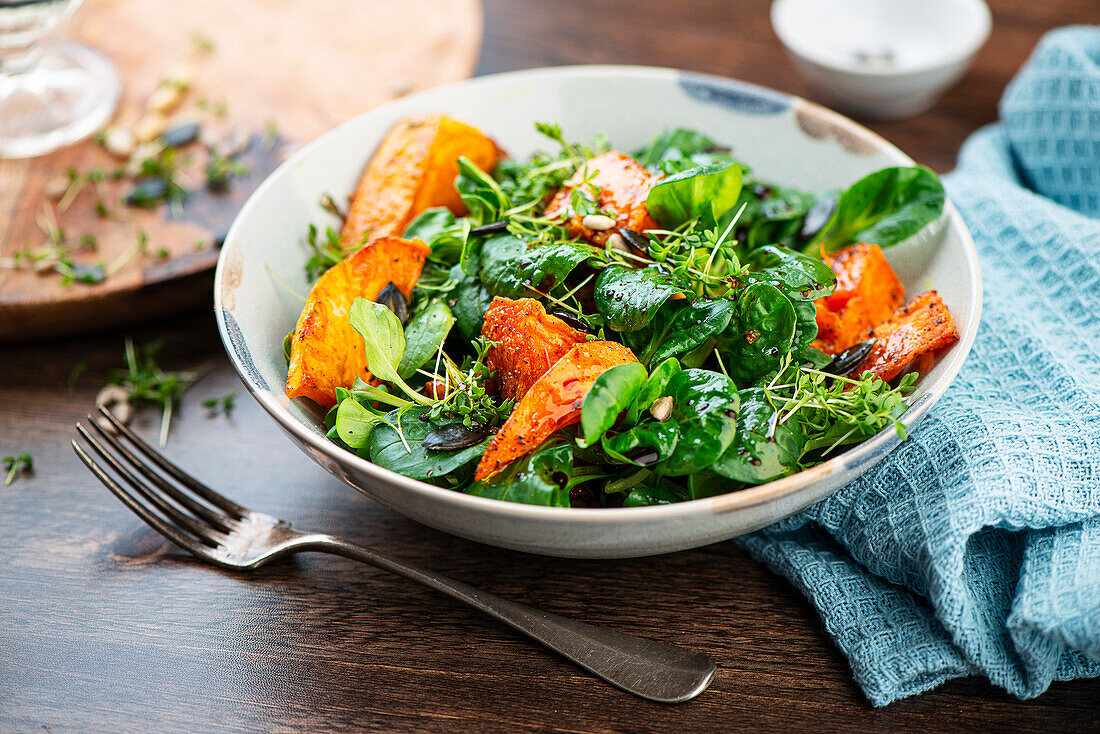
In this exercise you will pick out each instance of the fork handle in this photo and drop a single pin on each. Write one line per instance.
(647, 668)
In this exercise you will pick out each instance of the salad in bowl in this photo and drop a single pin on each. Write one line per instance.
(590, 327)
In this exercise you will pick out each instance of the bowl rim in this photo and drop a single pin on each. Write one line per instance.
(808, 52)
(864, 453)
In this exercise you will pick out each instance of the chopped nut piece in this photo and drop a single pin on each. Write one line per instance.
(618, 242)
(150, 127)
(181, 74)
(597, 222)
(661, 408)
(119, 141)
(56, 187)
(166, 98)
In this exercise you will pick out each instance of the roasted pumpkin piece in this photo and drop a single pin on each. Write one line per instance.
(914, 332)
(526, 342)
(413, 169)
(552, 403)
(326, 350)
(623, 186)
(867, 292)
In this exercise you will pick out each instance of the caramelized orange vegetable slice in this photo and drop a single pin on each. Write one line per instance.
(624, 185)
(552, 403)
(413, 169)
(914, 332)
(867, 292)
(526, 342)
(326, 350)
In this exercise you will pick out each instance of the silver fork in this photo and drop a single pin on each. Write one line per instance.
(212, 527)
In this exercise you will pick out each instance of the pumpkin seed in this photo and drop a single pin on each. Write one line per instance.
(454, 436)
(490, 228)
(147, 192)
(637, 240)
(571, 320)
(392, 298)
(180, 135)
(850, 358)
(818, 216)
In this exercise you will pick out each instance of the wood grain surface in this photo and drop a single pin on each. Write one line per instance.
(103, 627)
(303, 67)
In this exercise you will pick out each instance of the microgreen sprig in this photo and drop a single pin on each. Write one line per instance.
(145, 382)
(15, 465)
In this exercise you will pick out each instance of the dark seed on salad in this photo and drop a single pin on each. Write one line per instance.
(592, 328)
(635, 239)
(846, 361)
(392, 298)
(454, 436)
(817, 217)
(490, 228)
(572, 320)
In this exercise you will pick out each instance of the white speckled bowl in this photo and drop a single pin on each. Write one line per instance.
(784, 138)
(882, 59)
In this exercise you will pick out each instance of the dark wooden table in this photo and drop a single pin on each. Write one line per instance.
(104, 627)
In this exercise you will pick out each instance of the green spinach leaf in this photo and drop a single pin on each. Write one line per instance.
(707, 483)
(706, 192)
(508, 265)
(423, 335)
(799, 276)
(480, 193)
(387, 449)
(661, 438)
(469, 301)
(430, 224)
(354, 423)
(693, 325)
(654, 388)
(628, 298)
(883, 208)
(679, 149)
(647, 495)
(759, 335)
(542, 478)
(764, 448)
(384, 340)
(705, 413)
(610, 394)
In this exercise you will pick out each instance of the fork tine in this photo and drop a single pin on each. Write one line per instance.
(153, 520)
(202, 531)
(178, 474)
(196, 507)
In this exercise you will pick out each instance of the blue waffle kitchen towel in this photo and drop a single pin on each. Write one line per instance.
(974, 548)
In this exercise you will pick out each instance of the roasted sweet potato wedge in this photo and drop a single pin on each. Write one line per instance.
(914, 332)
(413, 169)
(624, 185)
(867, 292)
(326, 351)
(552, 403)
(526, 342)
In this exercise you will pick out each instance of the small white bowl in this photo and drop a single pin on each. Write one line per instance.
(882, 59)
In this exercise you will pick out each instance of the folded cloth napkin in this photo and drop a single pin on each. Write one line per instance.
(974, 548)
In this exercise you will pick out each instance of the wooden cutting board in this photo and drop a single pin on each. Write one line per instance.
(280, 71)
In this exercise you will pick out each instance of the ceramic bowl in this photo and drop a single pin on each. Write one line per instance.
(785, 139)
(882, 59)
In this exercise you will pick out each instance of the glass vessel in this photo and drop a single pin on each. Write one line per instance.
(52, 92)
